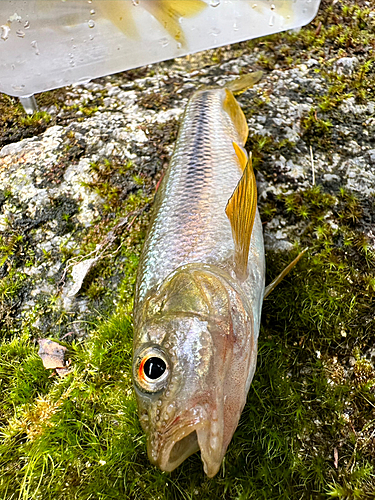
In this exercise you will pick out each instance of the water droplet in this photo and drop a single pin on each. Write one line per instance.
(215, 3)
(164, 42)
(5, 30)
(215, 31)
(14, 17)
(13, 66)
(273, 7)
(20, 33)
(91, 24)
(92, 12)
(18, 87)
(254, 6)
(272, 20)
(34, 45)
(26, 25)
(91, 37)
(179, 45)
(135, 2)
(235, 27)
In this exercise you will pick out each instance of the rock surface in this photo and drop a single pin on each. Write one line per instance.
(48, 179)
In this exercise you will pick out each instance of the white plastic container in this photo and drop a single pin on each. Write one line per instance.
(46, 44)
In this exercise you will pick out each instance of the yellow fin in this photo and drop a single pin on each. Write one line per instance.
(168, 12)
(282, 275)
(119, 13)
(244, 82)
(240, 210)
(231, 106)
(241, 155)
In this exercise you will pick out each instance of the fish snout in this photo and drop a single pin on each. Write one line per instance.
(169, 446)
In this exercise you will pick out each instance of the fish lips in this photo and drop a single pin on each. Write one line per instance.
(169, 449)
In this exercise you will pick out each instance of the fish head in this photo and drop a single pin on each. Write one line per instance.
(194, 359)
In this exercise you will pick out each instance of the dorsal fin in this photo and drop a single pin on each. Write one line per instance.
(241, 155)
(231, 106)
(120, 14)
(168, 13)
(240, 210)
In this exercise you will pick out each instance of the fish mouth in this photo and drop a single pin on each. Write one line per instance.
(176, 447)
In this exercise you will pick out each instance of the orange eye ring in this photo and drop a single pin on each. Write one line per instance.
(151, 369)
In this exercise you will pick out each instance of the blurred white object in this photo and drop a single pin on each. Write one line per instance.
(46, 44)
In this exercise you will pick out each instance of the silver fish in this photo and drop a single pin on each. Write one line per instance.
(200, 289)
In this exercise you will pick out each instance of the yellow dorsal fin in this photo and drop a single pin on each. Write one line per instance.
(231, 106)
(240, 211)
(244, 82)
(168, 13)
(120, 14)
(241, 155)
(282, 275)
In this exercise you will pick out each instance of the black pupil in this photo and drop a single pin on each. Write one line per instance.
(154, 368)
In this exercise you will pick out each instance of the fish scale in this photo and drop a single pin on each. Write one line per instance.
(190, 224)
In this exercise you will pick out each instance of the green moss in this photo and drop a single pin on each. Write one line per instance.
(15, 124)
(312, 397)
(315, 129)
(35, 119)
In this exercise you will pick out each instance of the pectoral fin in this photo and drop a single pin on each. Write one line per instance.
(282, 275)
(168, 12)
(240, 210)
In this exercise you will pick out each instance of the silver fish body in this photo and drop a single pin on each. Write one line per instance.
(196, 323)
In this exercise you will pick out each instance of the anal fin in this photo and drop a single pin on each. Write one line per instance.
(240, 210)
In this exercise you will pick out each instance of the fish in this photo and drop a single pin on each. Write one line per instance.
(120, 13)
(200, 288)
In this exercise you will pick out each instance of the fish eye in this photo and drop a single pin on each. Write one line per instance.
(154, 368)
(151, 369)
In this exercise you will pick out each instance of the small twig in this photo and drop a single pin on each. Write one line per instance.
(312, 165)
(336, 457)
(318, 29)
